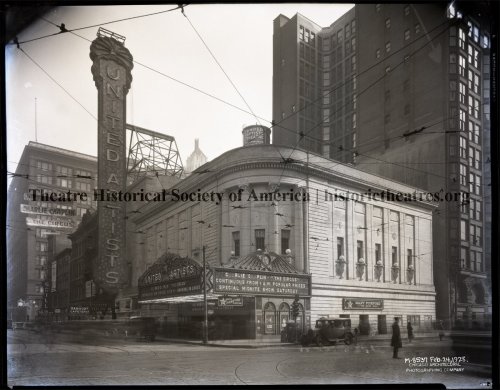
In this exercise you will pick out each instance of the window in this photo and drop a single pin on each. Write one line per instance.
(339, 36)
(378, 253)
(463, 229)
(478, 185)
(470, 53)
(340, 246)
(236, 243)
(285, 240)
(353, 26)
(417, 28)
(407, 35)
(476, 108)
(476, 130)
(360, 249)
(475, 235)
(388, 47)
(464, 261)
(476, 84)
(260, 235)
(486, 42)
(387, 69)
(353, 44)
(477, 159)
(377, 53)
(463, 174)
(44, 166)
(394, 255)
(463, 147)
(407, 10)
(462, 120)
(462, 91)
(461, 65)
(388, 23)
(461, 38)
(409, 257)
(354, 121)
(301, 33)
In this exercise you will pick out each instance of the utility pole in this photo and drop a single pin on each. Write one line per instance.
(205, 303)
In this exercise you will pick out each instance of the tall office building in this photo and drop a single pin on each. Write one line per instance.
(30, 222)
(402, 90)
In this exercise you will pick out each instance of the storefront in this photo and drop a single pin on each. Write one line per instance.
(249, 297)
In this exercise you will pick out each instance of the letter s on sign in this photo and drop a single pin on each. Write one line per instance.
(113, 276)
(112, 244)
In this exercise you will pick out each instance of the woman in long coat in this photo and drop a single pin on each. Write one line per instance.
(396, 338)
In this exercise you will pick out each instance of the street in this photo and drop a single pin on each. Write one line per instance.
(67, 359)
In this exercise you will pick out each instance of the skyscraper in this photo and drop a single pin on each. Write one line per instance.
(31, 222)
(401, 90)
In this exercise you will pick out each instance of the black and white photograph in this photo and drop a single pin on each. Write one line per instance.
(251, 194)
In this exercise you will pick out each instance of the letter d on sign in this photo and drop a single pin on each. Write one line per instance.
(112, 155)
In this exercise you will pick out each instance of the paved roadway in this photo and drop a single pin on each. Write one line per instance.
(64, 359)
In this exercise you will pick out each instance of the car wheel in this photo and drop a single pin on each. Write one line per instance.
(318, 341)
(348, 339)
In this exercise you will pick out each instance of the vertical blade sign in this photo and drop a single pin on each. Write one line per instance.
(111, 70)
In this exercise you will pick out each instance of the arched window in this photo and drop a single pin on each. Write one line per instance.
(284, 313)
(269, 318)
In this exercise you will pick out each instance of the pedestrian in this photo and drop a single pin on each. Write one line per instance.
(441, 330)
(396, 338)
(356, 336)
(409, 328)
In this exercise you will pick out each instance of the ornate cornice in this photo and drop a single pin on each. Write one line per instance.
(110, 49)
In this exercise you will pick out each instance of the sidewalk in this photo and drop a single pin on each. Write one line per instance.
(275, 341)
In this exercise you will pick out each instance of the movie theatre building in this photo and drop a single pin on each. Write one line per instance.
(274, 232)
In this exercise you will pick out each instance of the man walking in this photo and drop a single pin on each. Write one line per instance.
(409, 328)
(396, 338)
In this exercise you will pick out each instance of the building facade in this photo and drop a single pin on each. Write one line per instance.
(368, 260)
(402, 90)
(30, 222)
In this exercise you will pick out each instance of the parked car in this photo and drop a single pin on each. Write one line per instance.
(143, 327)
(329, 331)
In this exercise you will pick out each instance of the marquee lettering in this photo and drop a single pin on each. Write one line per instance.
(112, 64)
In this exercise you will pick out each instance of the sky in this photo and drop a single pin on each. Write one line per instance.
(240, 36)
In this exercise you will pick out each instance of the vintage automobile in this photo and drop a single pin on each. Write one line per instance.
(329, 331)
(143, 327)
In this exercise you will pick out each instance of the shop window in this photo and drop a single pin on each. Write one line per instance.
(260, 235)
(236, 243)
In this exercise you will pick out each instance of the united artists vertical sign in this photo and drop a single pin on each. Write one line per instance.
(111, 69)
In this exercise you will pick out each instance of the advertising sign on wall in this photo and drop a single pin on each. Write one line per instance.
(260, 283)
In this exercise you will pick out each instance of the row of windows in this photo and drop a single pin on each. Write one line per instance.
(406, 11)
(475, 233)
(306, 35)
(471, 260)
(260, 240)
